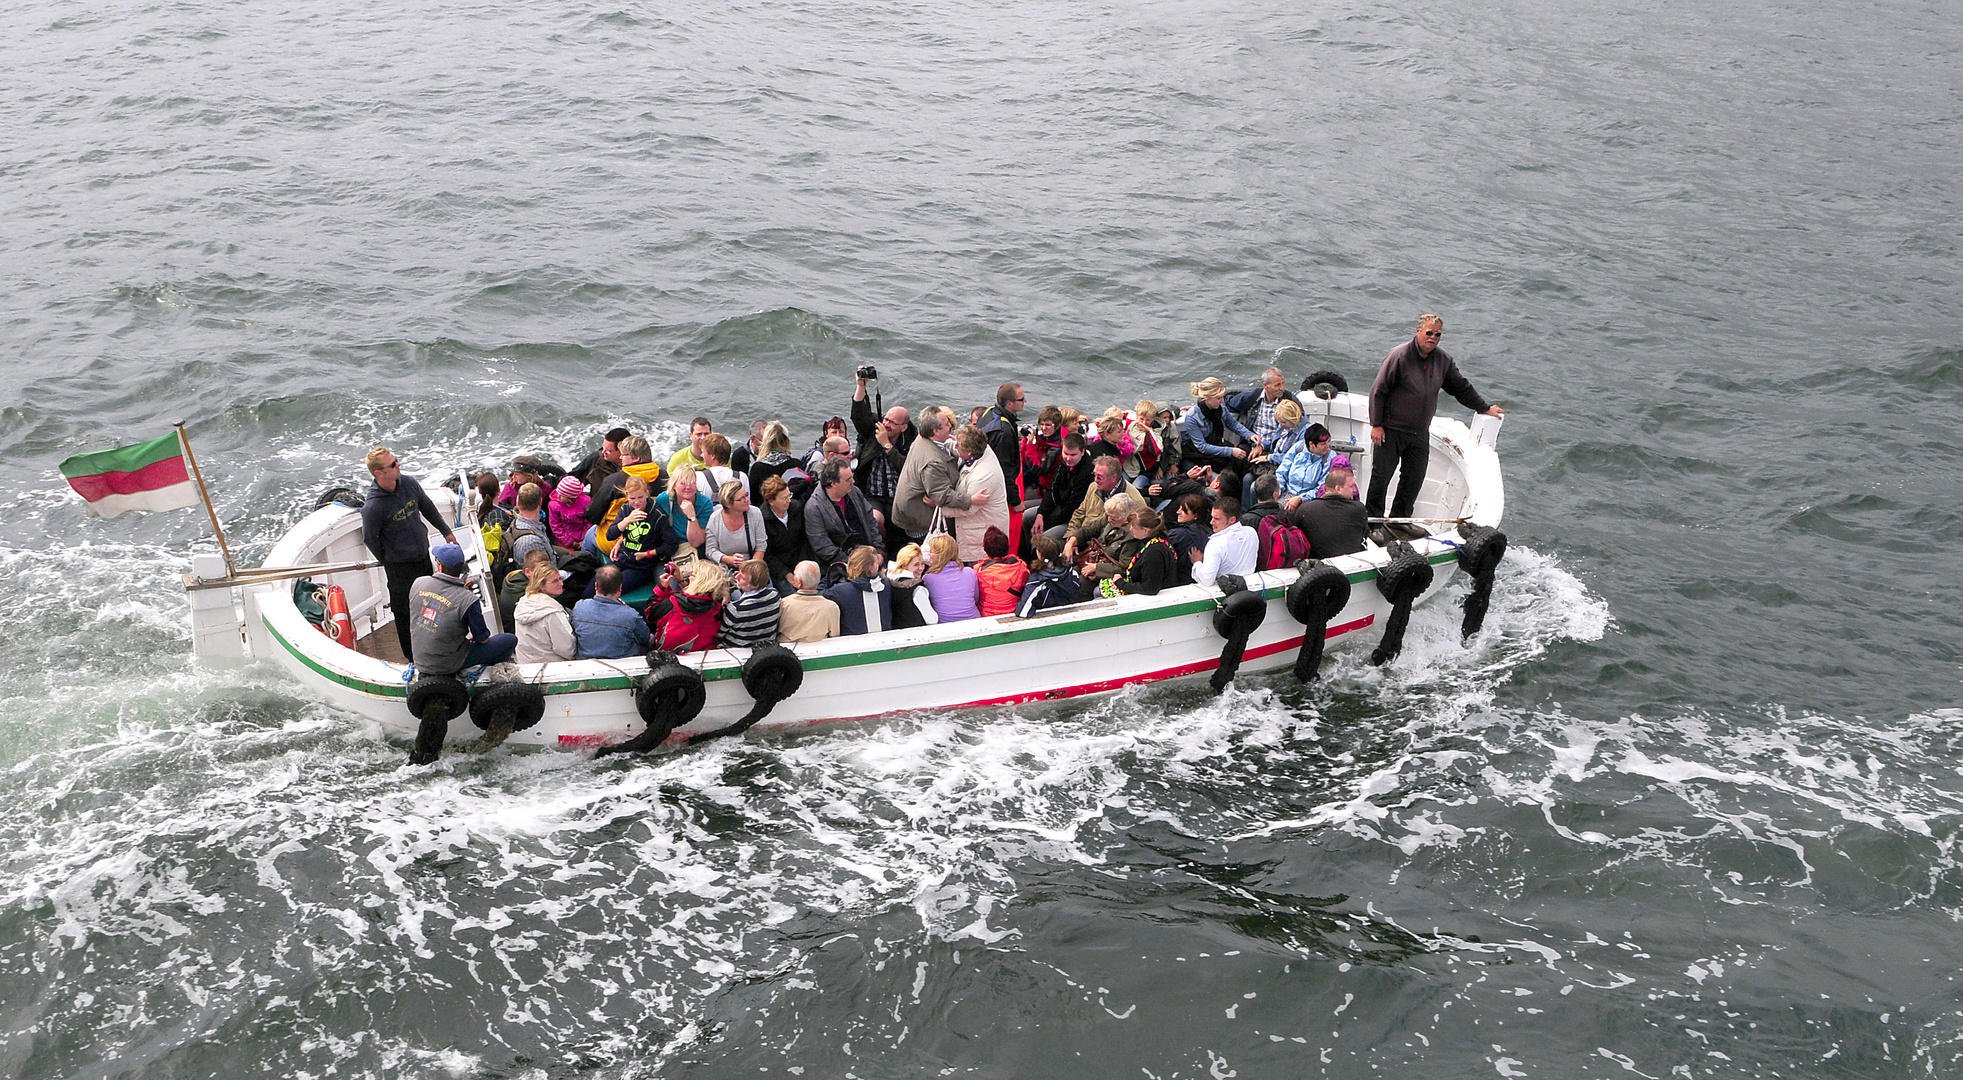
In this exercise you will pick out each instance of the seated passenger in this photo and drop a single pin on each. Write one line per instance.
(1336, 524)
(569, 503)
(1266, 489)
(527, 532)
(699, 430)
(1118, 543)
(776, 460)
(1192, 514)
(1052, 582)
(1302, 469)
(986, 490)
(1041, 450)
(634, 461)
(716, 470)
(1232, 549)
(515, 585)
(1069, 481)
(447, 632)
(605, 627)
(1001, 574)
(1213, 435)
(601, 463)
(1088, 519)
(785, 544)
(687, 617)
(837, 518)
(1155, 566)
(911, 607)
(804, 615)
(642, 540)
(954, 589)
(750, 617)
(822, 449)
(545, 631)
(865, 604)
(687, 508)
(735, 532)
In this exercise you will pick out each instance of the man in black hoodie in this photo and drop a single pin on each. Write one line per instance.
(393, 534)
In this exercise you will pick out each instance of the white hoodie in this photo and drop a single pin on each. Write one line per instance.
(545, 631)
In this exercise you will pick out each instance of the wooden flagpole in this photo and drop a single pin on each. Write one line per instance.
(223, 548)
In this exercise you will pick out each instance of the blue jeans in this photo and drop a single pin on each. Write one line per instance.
(494, 650)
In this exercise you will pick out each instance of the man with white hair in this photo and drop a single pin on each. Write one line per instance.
(806, 615)
(1402, 402)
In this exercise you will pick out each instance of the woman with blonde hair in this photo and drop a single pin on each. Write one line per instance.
(911, 606)
(774, 458)
(953, 589)
(691, 615)
(981, 471)
(687, 507)
(545, 631)
(735, 533)
(1212, 435)
(641, 538)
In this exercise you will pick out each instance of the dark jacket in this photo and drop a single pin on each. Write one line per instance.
(1153, 569)
(1335, 525)
(867, 425)
(1000, 426)
(831, 536)
(1405, 395)
(785, 544)
(389, 527)
(850, 598)
(1066, 491)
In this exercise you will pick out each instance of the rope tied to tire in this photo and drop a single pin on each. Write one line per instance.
(434, 700)
(501, 709)
(771, 674)
(1316, 596)
(1240, 614)
(1402, 581)
(1481, 547)
(669, 696)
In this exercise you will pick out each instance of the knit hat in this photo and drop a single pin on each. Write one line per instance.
(569, 488)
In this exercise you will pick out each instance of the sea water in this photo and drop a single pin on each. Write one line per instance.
(1687, 806)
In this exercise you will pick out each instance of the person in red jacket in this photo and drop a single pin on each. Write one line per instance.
(1001, 574)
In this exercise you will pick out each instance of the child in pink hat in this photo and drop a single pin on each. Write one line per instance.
(569, 503)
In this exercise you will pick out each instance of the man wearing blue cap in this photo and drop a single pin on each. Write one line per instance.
(446, 625)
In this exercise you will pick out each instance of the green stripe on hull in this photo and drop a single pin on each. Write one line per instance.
(857, 659)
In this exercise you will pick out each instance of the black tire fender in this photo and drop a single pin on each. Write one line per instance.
(1318, 594)
(1405, 577)
(438, 692)
(772, 673)
(1481, 548)
(1245, 610)
(524, 702)
(1331, 379)
(670, 696)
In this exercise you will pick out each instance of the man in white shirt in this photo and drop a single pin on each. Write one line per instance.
(1232, 549)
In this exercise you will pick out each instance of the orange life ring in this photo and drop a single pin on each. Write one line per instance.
(340, 626)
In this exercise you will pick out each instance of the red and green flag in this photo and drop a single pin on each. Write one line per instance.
(147, 476)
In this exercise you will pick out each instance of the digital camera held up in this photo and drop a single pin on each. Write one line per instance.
(867, 371)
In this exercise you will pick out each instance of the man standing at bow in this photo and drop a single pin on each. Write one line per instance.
(1402, 402)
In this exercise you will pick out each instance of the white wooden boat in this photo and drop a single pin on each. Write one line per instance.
(1087, 648)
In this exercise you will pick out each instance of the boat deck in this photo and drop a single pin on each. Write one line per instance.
(382, 644)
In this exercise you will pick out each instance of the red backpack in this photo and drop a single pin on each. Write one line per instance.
(1282, 545)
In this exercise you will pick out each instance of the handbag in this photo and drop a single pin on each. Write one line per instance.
(940, 526)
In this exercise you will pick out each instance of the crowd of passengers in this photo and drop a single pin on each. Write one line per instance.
(896, 519)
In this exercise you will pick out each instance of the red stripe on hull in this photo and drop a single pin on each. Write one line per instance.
(596, 741)
(157, 474)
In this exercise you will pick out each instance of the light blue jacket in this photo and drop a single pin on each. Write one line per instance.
(1301, 472)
